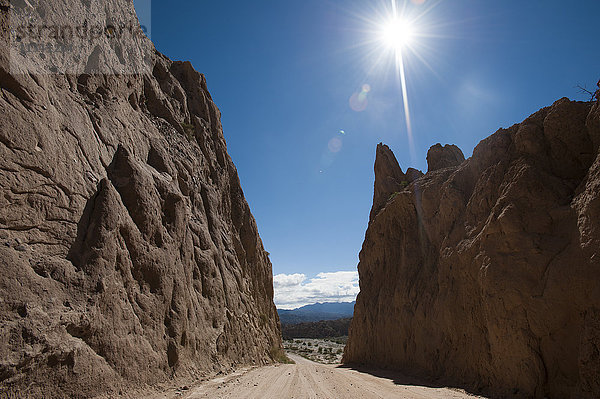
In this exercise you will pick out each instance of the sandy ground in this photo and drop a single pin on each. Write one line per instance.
(307, 379)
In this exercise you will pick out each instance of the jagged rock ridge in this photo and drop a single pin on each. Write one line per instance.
(485, 273)
(439, 157)
(128, 254)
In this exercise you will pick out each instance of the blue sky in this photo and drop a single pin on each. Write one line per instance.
(282, 73)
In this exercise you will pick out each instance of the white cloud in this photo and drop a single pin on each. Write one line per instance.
(295, 290)
(288, 280)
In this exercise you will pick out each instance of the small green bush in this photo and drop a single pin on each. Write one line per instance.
(278, 355)
(263, 319)
(189, 130)
(393, 195)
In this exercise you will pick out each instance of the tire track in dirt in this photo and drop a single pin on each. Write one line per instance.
(309, 380)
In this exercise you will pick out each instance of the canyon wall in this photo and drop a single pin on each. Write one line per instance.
(485, 273)
(128, 253)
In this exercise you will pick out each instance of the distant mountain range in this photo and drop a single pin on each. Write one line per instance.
(317, 312)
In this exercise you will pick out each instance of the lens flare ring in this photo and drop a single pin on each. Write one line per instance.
(397, 35)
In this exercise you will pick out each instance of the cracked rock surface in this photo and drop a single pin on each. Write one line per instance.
(128, 253)
(485, 273)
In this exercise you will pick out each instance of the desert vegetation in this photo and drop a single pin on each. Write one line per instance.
(318, 329)
(320, 350)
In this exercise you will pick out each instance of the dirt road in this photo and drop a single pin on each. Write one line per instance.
(307, 379)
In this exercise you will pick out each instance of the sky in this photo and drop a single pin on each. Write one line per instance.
(308, 88)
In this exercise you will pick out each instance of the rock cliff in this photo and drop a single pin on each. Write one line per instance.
(128, 254)
(485, 273)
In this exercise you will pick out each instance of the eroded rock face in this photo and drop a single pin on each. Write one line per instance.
(128, 254)
(486, 274)
(413, 174)
(439, 157)
(389, 178)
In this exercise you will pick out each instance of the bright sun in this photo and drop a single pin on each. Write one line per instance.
(397, 33)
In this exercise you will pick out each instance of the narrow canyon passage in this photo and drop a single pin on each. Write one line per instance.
(307, 379)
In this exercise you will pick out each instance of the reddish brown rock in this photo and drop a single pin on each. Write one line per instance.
(413, 174)
(439, 157)
(486, 274)
(128, 254)
(389, 178)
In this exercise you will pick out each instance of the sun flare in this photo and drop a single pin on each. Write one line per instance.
(398, 36)
(397, 33)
